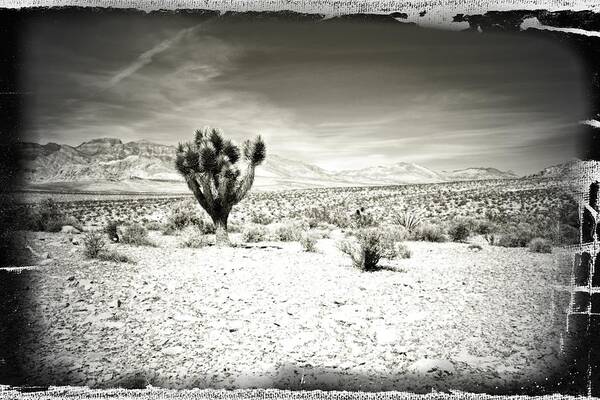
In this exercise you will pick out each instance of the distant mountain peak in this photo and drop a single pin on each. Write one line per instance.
(111, 141)
(109, 159)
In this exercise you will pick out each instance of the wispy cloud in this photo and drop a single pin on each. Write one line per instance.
(146, 57)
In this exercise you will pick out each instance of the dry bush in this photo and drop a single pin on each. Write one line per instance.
(185, 213)
(261, 217)
(395, 233)
(193, 237)
(153, 226)
(328, 215)
(309, 242)
(290, 231)
(254, 233)
(429, 233)
(93, 244)
(517, 236)
(47, 216)
(540, 245)
(135, 234)
(459, 230)
(369, 247)
(114, 256)
(362, 219)
(402, 251)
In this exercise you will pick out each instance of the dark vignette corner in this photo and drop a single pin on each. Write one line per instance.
(13, 285)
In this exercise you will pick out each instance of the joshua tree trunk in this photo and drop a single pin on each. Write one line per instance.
(221, 235)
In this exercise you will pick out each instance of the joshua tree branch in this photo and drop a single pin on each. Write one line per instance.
(195, 188)
(204, 183)
(245, 184)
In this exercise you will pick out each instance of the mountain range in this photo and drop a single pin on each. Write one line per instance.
(108, 164)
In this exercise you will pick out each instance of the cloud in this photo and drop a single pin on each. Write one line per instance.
(449, 105)
(146, 57)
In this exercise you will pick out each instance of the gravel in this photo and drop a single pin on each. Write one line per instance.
(277, 316)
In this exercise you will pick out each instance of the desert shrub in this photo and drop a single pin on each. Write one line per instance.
(459, 230)
(53, 224)
(232, 226)
(540, 245)
(408, 220)
(153, 226)
(485, 227)
(490, 238)
(402, 251)
(47, 216)
(391, 246)
(288, 232)
(429, 233)
(339, 218)
(184, 213)
(328, 215)
(365, 252)
(362, 219)
(261, 217)
(309, 242)
(135, 234)
(114, 256)
(111, 230)
(369, 247)
(168, 229)
(254, 233)
(193, 237)
(395, 233)
(93, 243)
(517, 236)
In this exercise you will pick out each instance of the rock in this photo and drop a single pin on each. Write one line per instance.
(69, 229)
(431, 365)
(45, 255)
(385, 335)
(173, 350)
(47, 261)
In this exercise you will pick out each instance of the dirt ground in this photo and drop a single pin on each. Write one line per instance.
(273, 315)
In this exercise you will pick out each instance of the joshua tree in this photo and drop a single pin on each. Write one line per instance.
(209, 165)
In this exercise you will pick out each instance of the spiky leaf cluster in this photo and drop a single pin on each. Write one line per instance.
(211, 162)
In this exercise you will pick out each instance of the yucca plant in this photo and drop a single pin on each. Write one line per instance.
(408, 220)
(210, 167)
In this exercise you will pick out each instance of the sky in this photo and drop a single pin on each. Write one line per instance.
(337, 95)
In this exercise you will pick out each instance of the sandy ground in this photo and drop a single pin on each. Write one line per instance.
(448, 317)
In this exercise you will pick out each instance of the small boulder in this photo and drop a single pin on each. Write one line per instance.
(173, 350)
(386, 336)
(70, 229)
(431, 365)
